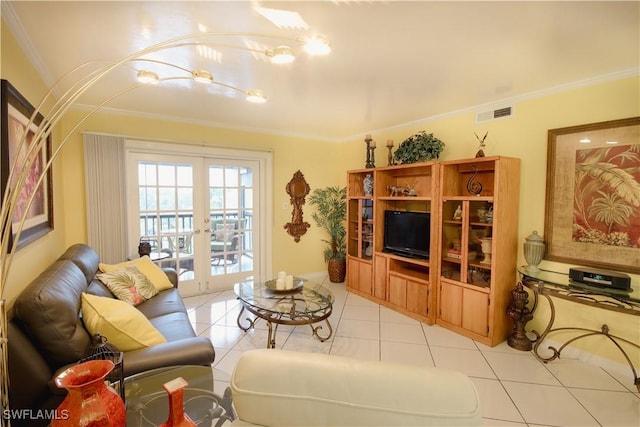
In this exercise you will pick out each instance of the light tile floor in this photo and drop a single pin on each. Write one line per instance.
(515, 388)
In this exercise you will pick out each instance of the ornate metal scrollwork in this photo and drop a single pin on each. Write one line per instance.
(474, 187)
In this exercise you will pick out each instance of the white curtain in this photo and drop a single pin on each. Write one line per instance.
(104, 162)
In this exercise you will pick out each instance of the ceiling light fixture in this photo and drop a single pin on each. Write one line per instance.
(202, 76)
(281, 55)
(256, 96)
(146, 76)
(316, 45)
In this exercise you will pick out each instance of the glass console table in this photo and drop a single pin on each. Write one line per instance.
(558, 285)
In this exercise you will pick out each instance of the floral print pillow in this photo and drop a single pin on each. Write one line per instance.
(129, 285)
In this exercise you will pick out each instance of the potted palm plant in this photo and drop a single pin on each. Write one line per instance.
(330, 215)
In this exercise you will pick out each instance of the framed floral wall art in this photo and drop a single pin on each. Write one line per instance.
(15, 114)
(592, 212)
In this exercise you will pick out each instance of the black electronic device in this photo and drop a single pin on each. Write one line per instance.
(601, 278)
(407, 233)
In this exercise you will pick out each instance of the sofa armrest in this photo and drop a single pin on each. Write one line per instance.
(188, 351)
(278, 387)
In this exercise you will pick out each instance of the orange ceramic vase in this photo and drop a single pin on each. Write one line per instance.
(90, 402)
(177, 417)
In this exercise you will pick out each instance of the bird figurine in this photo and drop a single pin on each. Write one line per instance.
(480, 152)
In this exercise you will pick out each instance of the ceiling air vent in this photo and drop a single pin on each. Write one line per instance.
(498, 113)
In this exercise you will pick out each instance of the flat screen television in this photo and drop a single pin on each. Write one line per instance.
(407, 233)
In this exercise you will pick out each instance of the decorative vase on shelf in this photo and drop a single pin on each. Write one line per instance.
(486, 250)
(89, 402)
(367, 183)
(533, 251)
(177, 417)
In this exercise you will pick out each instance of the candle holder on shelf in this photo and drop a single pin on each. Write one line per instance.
(390, 161)
(371, 157)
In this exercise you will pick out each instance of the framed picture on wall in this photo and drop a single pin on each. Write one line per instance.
(16, 112)
(592, 211)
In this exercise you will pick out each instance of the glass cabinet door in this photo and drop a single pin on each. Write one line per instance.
(353, 225)
(360, 232)
(467, 227)
(452, 239)
(367, 229)
(480, 231)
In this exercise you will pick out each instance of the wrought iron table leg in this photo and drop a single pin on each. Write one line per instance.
(251, 321)
(604, 330)
(271, 338)
(317, 328)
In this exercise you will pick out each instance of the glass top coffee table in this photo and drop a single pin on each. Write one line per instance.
(307, 304)
(148, 403)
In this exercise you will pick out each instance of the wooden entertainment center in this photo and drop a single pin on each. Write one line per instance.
(465, 283)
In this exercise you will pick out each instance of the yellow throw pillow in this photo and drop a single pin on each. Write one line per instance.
(122, 324)
(129, 285)
(146, 267)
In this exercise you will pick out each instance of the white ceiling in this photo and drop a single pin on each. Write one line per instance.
(392, 63)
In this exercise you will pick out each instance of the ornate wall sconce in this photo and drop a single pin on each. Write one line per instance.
(297, 189)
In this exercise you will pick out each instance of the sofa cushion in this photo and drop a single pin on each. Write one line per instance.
(122, 324)
(129, 285)
(84, 257)
(166, 302)
(146, 267)
(174, 326)
(48, 309)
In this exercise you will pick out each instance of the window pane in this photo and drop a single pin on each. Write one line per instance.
(247, 198)
(147, 198)
(185, 198)
(167, 198)
(215, 175)
(166, 175)
(231, 177)
(215, 198)
(146, 174)
(185, 176)
(231, 198)
(246, 177)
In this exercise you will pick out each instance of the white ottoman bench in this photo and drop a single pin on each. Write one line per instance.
(285, 388)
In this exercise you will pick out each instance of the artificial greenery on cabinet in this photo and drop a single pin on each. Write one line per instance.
(420, 147)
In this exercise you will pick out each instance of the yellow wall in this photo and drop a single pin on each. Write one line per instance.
(323, 163)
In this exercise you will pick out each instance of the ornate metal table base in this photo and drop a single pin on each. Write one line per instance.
(521, 316)
(220, 412)
(285, 318)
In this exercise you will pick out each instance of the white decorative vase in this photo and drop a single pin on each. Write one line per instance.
(533, 251)
(368, 184)
(486, 250)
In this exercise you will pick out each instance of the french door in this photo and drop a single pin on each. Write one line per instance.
(201, 215)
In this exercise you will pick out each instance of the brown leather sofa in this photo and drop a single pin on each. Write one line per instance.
(46, 333)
